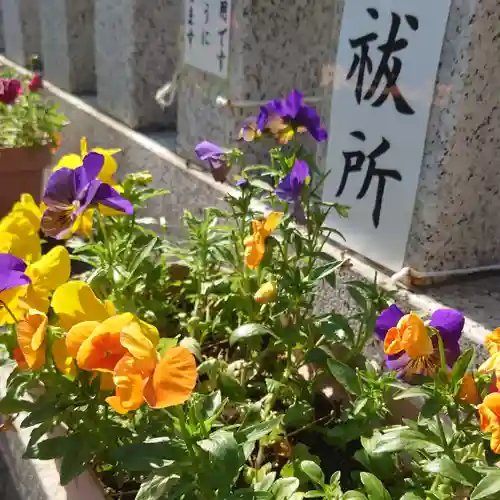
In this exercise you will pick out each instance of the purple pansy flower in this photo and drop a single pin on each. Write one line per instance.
(291, 112)
(449, 324)
(216, 157)
(69, 193)
(289, 189)
(12, 272)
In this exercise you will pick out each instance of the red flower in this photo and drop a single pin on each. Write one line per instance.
(36, 83)
(9, 90)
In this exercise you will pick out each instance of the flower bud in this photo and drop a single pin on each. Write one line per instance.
(36, 83)
(266, 293)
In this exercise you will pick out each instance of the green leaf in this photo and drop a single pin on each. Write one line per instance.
(156, 487)
(431, 407)
(165, 344)
(41, 413)
(142, 457)
(413, 392)
(323, 271)
(358, 297)
(257, 431)
(353, 495)
(248, 331)
(49, 449)
(461, 366)
(76, 461)
(248, 494)
(345, 375)
(411, 495)
(403, 439)
(144, 254)
(10, 405)
(487, 487)
(313, 471)
(192, 345)
(299, 413)
(460, 473)
(374, 487)
(284, 488)
(226, 456)
(209, 405)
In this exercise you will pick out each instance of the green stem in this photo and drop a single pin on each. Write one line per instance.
(12, 315)
(442, 435)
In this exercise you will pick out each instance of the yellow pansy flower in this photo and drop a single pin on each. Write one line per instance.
(75, 302)
(19, 230)
(108, 171)
(49, 272)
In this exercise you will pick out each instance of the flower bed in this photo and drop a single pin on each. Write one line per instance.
(203, 370)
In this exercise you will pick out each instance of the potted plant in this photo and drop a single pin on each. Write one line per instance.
(29, 132)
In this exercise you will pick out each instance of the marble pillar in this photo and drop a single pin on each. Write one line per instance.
(21, 29)
(274, 47)
(2, 42)
(136, 53)
(454, 224)
(67, 30)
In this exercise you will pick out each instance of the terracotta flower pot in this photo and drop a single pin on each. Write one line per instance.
(21, 171)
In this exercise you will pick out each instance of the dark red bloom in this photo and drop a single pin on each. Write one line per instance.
(9, 90)
(36, 83)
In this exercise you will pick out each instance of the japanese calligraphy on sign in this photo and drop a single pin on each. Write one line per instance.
(385, 74)
(206, 35)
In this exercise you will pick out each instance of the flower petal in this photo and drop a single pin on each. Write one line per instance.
(75, 302)
(449, 323)
(91, 167)
(271, 223)
(60, 188)
(62, 359)
(31, 331)
(492, 341)
(174, 379)
(388, 319)
(207, 150)
(77, 335)
(108, 196)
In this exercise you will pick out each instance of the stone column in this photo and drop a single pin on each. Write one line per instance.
(21, 29)
(68, 43)
(2, 42)
(274, 47)
(136, 53)
(449, 220)
(456, 223)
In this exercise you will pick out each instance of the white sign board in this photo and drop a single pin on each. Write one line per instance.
(206, 35)
(384, 84)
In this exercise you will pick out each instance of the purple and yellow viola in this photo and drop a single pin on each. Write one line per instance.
(71, 192)
(409, 345)
(283, 118)
(290, 189)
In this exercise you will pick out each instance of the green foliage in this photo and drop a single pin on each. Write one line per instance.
(32, 120)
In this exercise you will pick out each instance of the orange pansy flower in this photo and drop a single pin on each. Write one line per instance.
(409, 335)
(489, 414)
(161, 384)
(256, 243)
(31, 333)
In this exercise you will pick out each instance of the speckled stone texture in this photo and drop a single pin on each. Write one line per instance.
(455, 222)
(68, 43)
(21, 29)
(274, 47)
(136, 53)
